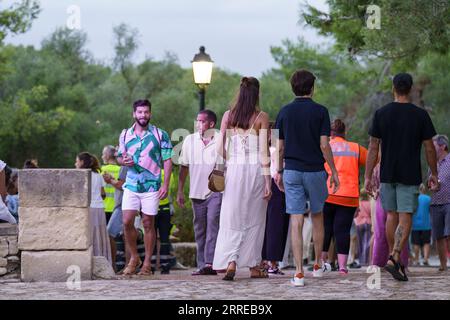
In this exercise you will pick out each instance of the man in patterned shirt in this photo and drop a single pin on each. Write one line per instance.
(440, 201)
(145, 150)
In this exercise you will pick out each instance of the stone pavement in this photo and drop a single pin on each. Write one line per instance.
(425, 283)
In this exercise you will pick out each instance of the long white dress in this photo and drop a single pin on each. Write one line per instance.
(243, 212)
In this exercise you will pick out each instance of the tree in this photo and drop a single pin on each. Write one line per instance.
(410, 33)
(408, 30)
(125, 46)
(340, 83)
(69, 46)
(14, 20)
(18, 17)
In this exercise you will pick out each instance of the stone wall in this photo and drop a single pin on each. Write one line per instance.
(54, 224)
(9, 251)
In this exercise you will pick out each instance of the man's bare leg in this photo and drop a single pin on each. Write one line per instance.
(149, 238)
(426, 252)
(297, 240)
(416, 254)
(401, 234)
(130, 234)
(318, 234)
(391, 226)
(442, 252)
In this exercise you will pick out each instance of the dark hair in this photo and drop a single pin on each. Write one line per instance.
(302, 82)
(338, 128)
(8, 173)
(402, 83)
(142, 103)
(210, 115)
(271, 127)
(11, 183)
(30, 164)
(246, 103)
(89, 161)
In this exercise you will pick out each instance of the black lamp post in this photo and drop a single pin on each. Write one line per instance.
(202, 67)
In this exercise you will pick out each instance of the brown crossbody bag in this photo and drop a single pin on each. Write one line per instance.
(216, 180)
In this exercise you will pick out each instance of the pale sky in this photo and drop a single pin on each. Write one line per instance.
(236, 33)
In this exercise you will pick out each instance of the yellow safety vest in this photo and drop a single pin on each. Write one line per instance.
(113, 170)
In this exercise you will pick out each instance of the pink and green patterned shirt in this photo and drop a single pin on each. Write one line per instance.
(148, 152)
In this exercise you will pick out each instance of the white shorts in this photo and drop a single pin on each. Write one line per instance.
(147, 202)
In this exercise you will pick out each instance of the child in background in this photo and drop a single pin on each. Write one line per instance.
(421, 228)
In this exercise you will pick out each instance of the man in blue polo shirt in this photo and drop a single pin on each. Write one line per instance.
(304, 130)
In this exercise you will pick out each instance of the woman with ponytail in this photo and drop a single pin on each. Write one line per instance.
(244, 145)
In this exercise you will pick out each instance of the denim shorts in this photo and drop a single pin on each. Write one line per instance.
(440, 221)
(399, 197)
(115, 224)
(301, 187)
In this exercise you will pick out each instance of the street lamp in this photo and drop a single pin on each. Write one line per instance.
(202, 67)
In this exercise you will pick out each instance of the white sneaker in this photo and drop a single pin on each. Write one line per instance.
(317, 271)
(326, 268)
(298, 280)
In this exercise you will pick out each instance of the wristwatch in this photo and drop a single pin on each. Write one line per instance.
(280, 171)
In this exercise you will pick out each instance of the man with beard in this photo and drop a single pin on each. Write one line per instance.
(145, 150)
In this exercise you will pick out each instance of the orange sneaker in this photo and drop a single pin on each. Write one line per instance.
(298, 280)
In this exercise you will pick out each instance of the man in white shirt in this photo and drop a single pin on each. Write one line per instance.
(198, 158)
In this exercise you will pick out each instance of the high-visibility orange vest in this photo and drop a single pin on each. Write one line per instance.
(346, 160)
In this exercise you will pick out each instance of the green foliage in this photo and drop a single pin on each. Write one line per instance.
(408, 31)
(434, 69)
(414, 37)
(341, 83)
(18, 17)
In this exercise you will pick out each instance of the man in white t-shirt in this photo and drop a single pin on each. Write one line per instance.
(198, 158)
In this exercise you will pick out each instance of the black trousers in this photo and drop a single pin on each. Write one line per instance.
(277, 224)
(337, 222)
(163, 226)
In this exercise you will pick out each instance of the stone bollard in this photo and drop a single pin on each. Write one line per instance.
(54, 224)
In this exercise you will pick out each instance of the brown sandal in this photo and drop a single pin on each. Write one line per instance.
(229, 275)
(262, 273)
(131, 268)
(146, 270)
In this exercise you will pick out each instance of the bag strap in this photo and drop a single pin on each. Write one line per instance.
(159, 142)
(221, 166)
(159, 137)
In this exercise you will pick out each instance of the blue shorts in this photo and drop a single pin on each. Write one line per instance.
(115, 224)
(303, 186)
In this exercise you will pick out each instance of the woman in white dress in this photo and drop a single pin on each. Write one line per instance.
(244, 140)
(100, 238)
